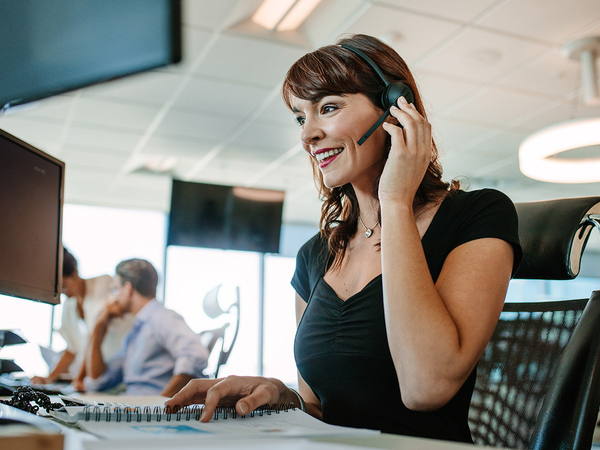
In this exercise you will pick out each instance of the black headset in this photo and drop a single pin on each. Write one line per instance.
(389, 95)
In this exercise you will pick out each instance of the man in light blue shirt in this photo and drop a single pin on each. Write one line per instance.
(160, 354)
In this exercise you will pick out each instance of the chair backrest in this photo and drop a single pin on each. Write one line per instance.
(515, 370)
(217, 341)
(522, 358)
(570, 410)
(553, 235)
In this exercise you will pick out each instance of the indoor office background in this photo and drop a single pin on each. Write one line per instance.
(491, 72)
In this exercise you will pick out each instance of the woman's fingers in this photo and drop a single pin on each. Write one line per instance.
(192, 393)
(263, 394)
(416, 136)
(248, 393)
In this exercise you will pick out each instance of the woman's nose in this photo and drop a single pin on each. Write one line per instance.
(311, 132)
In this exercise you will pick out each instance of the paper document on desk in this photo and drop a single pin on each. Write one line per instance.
(224, 444)
(128, 425)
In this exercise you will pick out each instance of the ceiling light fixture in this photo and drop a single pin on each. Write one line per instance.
(536, 152)
(283, 15)
(586, 50)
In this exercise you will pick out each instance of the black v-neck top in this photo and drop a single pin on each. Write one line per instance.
(341, 347)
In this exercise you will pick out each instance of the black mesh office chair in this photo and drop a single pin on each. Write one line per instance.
(538, 382)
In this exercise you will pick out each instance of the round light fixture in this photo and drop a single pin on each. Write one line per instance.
(536, 150)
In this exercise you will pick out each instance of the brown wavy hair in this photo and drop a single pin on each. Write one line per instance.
(333, 70)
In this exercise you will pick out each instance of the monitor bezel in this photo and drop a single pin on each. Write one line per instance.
(29, 292)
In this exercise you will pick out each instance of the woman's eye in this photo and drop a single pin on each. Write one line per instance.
(329, 108)
(299, 120)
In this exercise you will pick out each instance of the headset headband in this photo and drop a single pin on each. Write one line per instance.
(391, 92)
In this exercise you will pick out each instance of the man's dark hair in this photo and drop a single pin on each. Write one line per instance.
(141, 274)
(69, 263)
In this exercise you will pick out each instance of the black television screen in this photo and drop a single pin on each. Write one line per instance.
(54, 46)
(31, 203)
(226, 217)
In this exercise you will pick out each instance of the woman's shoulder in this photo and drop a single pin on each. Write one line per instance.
(484, 195)
(100, 286)
(314, 246)
(464, 202)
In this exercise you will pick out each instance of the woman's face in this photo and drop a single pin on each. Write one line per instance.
(331, 129)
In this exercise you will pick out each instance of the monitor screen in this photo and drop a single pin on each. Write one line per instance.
(50, 47)
(226, 217)
(31, 202)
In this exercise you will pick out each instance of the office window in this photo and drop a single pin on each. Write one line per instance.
(280, 319)
(192, 272)
(99, 238)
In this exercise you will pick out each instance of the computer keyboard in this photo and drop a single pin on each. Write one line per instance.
(9, 385)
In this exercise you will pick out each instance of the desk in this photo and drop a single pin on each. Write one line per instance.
(76, 439)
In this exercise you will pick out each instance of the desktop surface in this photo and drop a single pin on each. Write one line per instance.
(76, 439)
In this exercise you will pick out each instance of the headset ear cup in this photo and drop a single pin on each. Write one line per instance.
(393, 92)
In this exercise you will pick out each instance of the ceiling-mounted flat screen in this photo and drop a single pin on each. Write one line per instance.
(54, 46)
(227, 217)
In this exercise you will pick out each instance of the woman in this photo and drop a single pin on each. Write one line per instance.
(399, 293)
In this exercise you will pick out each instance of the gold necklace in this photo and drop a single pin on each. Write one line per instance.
(368, 231)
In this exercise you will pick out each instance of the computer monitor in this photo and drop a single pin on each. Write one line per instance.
(31, 211)
(225, 217)
(51, 47)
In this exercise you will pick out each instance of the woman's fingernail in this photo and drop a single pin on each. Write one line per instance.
(402, 99)
(202, 415)
(243, 408)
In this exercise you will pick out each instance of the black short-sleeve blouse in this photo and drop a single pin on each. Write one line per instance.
(341, 347)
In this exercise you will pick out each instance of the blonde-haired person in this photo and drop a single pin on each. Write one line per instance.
(400, 291)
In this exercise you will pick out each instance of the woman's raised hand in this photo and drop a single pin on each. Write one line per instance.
(245, 393)
(409, 156)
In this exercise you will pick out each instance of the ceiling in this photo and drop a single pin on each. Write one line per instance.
(491, 72)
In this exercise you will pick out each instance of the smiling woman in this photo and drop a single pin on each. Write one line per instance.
(392, 321)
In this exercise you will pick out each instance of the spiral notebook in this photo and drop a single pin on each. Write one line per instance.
(150, 422)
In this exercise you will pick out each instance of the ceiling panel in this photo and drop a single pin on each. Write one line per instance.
(102, 138)
(439, 91)
(452, 134)
(501, 145)
(552, 75)
(249, 60)
(207, 13)
(410, 34)
(480, 55)
(276, 111)
(39, 133)
(269, 136)
(220, 97)
(507, 106)
(152, 88)
(93, 159)
(203, 126)
(459, 10)
(558, 21)
(178, 146)
(231, 173)
(116, 114)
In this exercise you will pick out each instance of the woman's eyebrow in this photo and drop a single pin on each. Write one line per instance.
(295, 109)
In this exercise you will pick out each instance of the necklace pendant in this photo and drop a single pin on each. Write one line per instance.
(369, 232)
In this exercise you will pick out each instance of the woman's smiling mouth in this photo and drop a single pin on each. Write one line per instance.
(325, 156)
